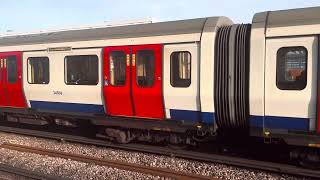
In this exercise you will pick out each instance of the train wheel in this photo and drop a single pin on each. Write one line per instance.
(308, 158)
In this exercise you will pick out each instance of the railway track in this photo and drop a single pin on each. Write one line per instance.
(110, 163)
(198, 156)
(18, 172)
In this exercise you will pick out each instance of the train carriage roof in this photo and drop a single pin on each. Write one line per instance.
(192, 26)
(304, 21)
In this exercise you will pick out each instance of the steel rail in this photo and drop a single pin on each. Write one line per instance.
(162, 172)
(26, 173)
(191, 155)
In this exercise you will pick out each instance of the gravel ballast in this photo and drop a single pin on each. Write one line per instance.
(76, 170)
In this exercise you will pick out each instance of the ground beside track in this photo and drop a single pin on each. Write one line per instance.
(10, 176)
(75, 170)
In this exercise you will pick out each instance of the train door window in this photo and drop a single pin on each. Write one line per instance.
(180, 66)
(12, 73)
(38, 70)
(145, 68)
(117, 68)
(292, 68)
(82, 70)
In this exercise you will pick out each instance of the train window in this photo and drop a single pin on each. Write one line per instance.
(117, 68)
(82, 70)
(38, 70)
(292, 68)
(180, 69)
(145, 68)
(12, 73)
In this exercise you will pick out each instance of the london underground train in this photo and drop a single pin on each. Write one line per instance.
(180, 81)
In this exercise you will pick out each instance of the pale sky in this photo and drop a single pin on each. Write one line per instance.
(31, 15)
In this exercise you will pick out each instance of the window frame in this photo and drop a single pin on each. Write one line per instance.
(290, 88)
(66, 70)
(125, 82)
(154, 68)
(16, 67)
(48, 69)
(189, 84)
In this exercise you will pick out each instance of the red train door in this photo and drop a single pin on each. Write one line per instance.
(11, 80)
(117, 91)
(133, 81)
(147, 81)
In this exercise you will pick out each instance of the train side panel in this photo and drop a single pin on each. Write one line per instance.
(257, 74)
(284, 76)
(291, 84)
(64, 82)
(181, 82)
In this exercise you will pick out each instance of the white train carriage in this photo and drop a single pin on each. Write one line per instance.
(200, 75)
(284, 75)
(141, 71)
(66, 81)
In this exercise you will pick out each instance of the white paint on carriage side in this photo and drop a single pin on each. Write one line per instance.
(165, 39)
(181, 98)
(291, 103)
(57, 90)
(207, 55)
(257, 64)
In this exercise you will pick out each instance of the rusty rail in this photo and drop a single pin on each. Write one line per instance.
(162, 172)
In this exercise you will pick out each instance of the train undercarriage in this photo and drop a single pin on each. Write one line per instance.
(303, 156)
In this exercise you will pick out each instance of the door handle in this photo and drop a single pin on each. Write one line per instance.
(128, 60)
(133, 59)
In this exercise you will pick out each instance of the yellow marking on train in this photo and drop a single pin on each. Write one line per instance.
(314, 145)
(161, 129)
(267, 133)
(133, 60)
(128, 59)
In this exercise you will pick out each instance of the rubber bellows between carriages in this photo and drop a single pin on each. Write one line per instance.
(231, 82)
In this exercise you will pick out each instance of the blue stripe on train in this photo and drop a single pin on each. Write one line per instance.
(68, 107)
(273, 122)
(208, 117)
(193, 116)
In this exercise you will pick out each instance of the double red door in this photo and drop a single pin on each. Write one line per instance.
(133, 81)
(11, 90)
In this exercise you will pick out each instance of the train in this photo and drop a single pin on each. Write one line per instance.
(180, 81)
